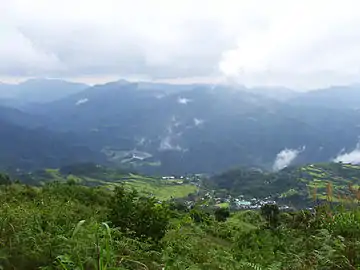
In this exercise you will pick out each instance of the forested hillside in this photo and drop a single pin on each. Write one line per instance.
(178, 129)
(29, 149)
(295, 185)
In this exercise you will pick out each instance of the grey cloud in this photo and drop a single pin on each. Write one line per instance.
(249, 42)
(92, 50)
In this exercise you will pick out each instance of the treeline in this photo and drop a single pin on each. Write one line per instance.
(69, 226)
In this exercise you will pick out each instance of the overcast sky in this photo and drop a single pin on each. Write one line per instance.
(301, 44)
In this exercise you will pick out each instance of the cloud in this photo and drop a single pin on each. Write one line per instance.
(183, 100)
(198, 121)
(81, 101)
(166, 144)
(298, 43)
(350, 157)
(169, 139)
(285, 157)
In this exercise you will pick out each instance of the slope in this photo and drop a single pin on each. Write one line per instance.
(297, 185)
(90, 174)
(200, 128)
(37, 91)
(335, 97)
(27, 145)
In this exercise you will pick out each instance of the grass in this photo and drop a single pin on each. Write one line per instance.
(161, 190)
(289, 193)
(239, 220)
(223, 205)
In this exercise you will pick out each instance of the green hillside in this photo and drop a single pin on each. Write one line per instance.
(294, 184)
(95, 175)
(321, 179)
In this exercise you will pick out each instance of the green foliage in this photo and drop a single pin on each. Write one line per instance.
(95, 175)
(140, 216)
(294, 185)
(221, 214)
(271, 212)
(68, 226)
(4, 179)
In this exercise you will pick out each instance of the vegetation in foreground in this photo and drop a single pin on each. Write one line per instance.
(70, 226)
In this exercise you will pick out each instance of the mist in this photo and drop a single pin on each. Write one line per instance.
(285, 157)
(352, 157)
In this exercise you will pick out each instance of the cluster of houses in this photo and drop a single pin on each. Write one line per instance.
(241, 203)
(234, 203)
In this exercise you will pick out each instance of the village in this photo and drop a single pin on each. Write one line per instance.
(223, 200)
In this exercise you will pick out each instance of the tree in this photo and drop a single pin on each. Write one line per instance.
(221, 214)
(4, 179)
(271, 214)
(139, 216)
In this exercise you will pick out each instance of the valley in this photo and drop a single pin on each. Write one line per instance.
(156, 176)
(177, 129)
(295, 187)
(179, 135)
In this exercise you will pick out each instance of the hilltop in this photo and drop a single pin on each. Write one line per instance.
(296, 185)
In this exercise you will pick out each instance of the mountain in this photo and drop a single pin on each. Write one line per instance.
(337, 97)
(27, 145)
(199, 128)
(298, 185)
(277, 93)
(37, 91)
(18, 117)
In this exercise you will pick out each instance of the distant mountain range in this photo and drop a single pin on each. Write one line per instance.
(37, 91)
(163, 128)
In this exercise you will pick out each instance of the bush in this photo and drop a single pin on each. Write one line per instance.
(221, 214)
(138, 216)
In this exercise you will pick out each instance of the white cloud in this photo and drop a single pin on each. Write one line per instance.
(166, 144)
(82, 101)
(198, 121)
(298, 43)
(183, 100)
(285, 157)
(350, 157)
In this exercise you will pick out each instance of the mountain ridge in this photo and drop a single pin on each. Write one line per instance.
(198, 128)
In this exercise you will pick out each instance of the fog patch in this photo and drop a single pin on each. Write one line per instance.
(81, 101)
(167, 144)
(183, 100)
(198, 121)
(168, 141)
(285, 157)
(160, 96)
(352, 157)
(141, 141)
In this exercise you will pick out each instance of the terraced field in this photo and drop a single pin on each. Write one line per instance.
(321, 181)
(160, 188)
(297, 186)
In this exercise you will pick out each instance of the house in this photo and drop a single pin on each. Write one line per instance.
(168, 177)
